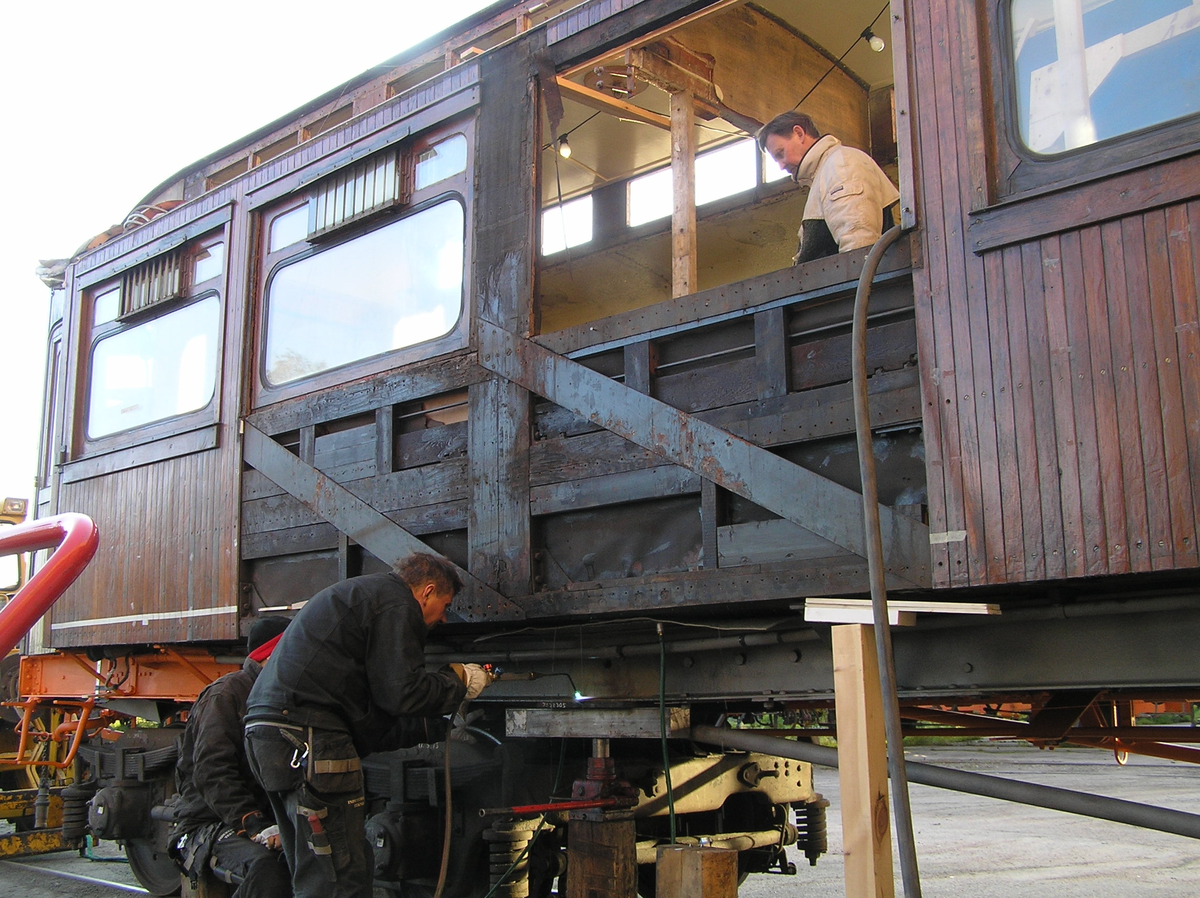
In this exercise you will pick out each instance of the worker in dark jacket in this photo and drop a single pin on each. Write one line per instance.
(348, 670)
(223, 820)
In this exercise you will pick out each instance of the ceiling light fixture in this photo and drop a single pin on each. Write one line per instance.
(564, 148)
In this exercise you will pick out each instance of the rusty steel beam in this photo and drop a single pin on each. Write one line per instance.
(816, 503)
(379, 535)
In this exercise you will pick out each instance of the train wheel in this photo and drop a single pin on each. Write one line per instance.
(153, 868)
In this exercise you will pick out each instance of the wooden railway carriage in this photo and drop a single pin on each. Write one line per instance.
(405, 317)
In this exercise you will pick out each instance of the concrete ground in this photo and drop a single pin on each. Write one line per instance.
(967, 847)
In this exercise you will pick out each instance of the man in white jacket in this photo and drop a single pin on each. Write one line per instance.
(850, 198)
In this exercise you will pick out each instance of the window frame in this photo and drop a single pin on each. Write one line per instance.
(1018, 171)
(90, 335)
(456, 188)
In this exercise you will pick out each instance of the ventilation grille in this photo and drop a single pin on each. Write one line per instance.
(153, 282)
(376, 183)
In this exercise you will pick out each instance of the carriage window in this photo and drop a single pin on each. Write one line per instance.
(567, 225)
(1089, 71)
(107, 306)
(719, 173)
(155, 370)
(289, 228)
(441, 161)
(209, 262)
(393, 287)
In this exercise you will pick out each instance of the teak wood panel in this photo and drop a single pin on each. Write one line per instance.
(168, 546)
(1061, 372)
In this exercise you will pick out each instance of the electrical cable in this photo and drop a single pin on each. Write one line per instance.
(441, 883)
(662, 726)
(840, 58)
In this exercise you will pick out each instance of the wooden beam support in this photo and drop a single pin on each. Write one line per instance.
(816, 503)
(379, 535)
(862, 763)
(594, 99)
(683, 184)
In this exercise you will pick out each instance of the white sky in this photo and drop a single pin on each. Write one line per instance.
(107, 100)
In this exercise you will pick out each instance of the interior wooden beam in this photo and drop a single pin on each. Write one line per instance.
(683, 183)
(594, 99)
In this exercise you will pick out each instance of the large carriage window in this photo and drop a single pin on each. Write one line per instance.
(155, 370)
(1090, 70)
(393, 287)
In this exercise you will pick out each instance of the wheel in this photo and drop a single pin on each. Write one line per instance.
(153, 868)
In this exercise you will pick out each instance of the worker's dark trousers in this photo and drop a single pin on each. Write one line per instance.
(321, 816)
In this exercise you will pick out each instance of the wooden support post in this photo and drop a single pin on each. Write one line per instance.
(771, 353)
(862, 763)
(683, 181)
(710, 520)
(692, 871)
(385, 435)
(640, 361)
(602, 856)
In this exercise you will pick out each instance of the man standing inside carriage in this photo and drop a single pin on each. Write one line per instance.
(347, 676)
(850, 199)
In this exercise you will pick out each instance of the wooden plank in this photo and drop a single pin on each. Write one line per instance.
(609, 104)
(696, 871)
(1091, 202)
(941, 424)
(1173, 413)
(684, 264)
(1025, 428)
(641, 359)
(862, 763)
(1183, 230)
(1151, 410)
(770, 353)
(498, 464)
(710, 522)
(752, 584)
(1005, 542)
(820, 362)
(768, 542)
(810, 500)
(608, 489)
(1116, 257)
(1115, 552)
(715, 386)
(906, 150)
(1084, 547)
(1044, 436)
(385, 434)
(354, 517)
(432, 446)
(823, 278)
(454, 371)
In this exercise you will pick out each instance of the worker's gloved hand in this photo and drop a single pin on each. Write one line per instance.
(270, 837)
(474, 677)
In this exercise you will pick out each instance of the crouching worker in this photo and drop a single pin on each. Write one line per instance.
(349, 669)
(223, 820)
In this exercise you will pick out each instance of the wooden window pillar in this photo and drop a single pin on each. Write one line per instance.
(683, 184)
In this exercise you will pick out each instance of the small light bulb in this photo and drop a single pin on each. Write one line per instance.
(874, 41)
(564, 148)
(578, 696)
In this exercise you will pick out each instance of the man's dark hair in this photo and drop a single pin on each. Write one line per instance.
(420, 568)
(264, 630)
(782, 125)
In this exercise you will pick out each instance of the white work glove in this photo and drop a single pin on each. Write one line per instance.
(270, 838)
(474, 677)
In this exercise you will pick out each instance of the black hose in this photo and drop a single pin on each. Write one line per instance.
(1118, 810)
(902, 812)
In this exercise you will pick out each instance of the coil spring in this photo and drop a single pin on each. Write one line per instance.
(75, 811)
(507, 839)
(811, 831)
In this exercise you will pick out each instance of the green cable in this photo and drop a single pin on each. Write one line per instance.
(662, 724)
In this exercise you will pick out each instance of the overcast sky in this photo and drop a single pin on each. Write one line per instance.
(107, 100)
